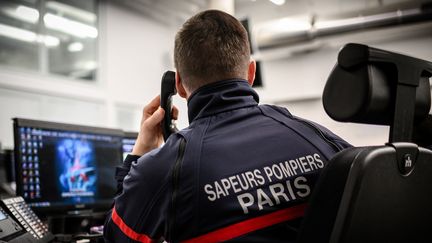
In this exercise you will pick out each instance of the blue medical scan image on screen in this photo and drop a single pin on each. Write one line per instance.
(76, 168)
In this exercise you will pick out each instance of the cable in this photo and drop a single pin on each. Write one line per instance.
(87, 236)
(84, 236)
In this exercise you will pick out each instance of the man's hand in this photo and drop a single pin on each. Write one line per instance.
(150, 134)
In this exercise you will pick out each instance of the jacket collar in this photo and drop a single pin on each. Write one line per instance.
(219, 97)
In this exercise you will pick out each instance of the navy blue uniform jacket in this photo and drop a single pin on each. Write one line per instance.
(239, 172)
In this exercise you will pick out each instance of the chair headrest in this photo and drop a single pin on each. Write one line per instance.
(422, 134)
(362, 86)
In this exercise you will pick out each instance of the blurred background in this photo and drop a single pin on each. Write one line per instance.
(95, 62)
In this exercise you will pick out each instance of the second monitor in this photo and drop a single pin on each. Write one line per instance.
(128, 142)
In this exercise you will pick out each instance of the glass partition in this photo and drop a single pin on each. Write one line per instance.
(51, 37)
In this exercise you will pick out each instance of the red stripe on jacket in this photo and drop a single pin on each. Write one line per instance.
(250, 225)
(127, 230)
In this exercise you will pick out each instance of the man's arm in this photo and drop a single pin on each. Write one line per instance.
(123, 170)
(149, 138)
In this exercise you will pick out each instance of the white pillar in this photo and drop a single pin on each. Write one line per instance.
(224, 5)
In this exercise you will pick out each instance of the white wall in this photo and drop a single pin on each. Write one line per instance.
(295, 77)
(134, 52)
(138, 52)
(296, 82)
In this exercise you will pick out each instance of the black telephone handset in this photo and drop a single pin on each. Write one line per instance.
(168, 89)
(18, 223)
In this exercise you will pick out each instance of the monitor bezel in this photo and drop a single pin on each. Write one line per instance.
(130, 134)
(100, 205)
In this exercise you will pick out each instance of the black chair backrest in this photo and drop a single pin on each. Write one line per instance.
(376, 193)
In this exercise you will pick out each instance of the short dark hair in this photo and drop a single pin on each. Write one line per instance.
(211, 46)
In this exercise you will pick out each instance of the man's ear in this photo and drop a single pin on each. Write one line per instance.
(179, 86)
(251, 72)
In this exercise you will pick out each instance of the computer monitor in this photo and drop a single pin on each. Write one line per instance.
(63, 167)
(128, 142)
(3, 176)
(7, 172)
(8, 164)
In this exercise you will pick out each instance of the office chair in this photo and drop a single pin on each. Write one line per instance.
(375, 193)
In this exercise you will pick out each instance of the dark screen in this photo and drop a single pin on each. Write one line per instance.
(61, 168)
(7, 166)
(2, 168)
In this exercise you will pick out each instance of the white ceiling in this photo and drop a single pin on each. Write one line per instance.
(169, 12)
(262, 13)
(175, 12)
(264, 10)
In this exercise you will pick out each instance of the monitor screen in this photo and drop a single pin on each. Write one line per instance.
(63, 167)
(128, 142)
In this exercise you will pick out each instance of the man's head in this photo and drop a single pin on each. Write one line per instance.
(212, 46)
